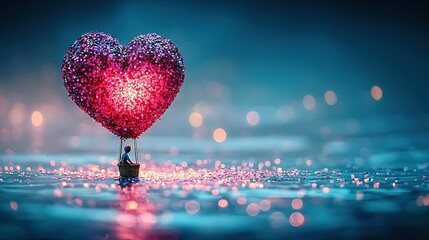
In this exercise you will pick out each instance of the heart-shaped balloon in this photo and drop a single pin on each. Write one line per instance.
(126, 89)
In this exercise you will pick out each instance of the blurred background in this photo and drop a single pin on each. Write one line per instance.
(297, 119)
(319, 70)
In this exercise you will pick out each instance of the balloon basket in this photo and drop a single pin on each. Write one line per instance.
(129, 170)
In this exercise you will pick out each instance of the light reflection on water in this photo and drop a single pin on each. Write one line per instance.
(249, 188)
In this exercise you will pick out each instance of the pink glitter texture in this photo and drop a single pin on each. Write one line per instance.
(125, 89)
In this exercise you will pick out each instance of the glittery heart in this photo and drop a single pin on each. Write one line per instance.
(125, 89)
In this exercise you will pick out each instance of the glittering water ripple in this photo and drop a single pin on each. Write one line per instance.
(192, 198)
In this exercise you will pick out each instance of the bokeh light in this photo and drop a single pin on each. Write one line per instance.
(330, 97)
(325, 190)
(203, 108)
(309, 102)
(14, 205)
(296, 219)
(252, 118)
(359, 196)
(241, 200)
(265, 205)
(252, 209)
(219, 135)
(277, 219)
(297, 203)
(195, 119)
(36, 118)
(132, 205)
(17, 114)
(223, 203)
(376, 93)
(192, 207)
(126, 220)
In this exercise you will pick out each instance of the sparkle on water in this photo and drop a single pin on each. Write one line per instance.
(174, 197)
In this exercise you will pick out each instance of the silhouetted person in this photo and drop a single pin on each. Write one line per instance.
(125, 159)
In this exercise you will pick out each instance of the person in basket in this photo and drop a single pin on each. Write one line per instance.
(125, 159)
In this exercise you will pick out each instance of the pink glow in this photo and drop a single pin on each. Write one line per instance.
(126, 220)
(265, 205)
(223, 203)
(252, 209)
(241, 200)
(296, 219)
(132, 205)
(13, 205)
(192, 207)
(297, 203)
(325, 190)
(252, 118)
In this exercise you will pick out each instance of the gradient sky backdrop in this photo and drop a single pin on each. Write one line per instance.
(239, 55)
